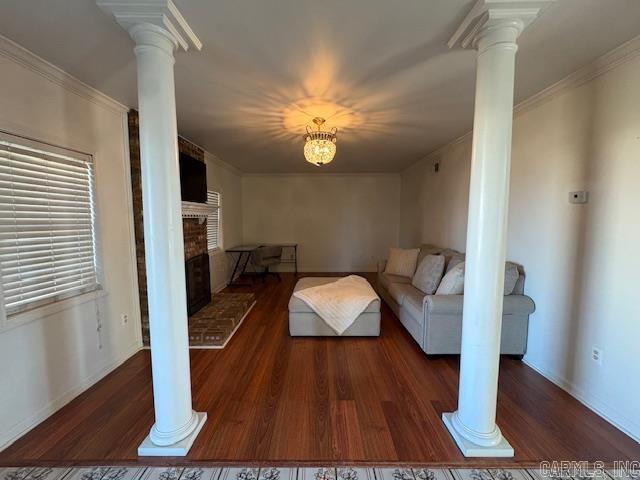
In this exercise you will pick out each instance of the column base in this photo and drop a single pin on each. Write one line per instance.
(471, 449)
(179, 449)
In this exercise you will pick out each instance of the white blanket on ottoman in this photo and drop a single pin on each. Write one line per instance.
(341, 302)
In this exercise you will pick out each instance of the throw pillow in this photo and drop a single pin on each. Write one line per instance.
(453, 282)
(402, 261)
(511, 276)
(454, 260)
(429, 273)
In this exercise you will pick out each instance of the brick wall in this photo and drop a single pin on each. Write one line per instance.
(136, 189)
(195, 237)
(194, 229)
(195, 233)
(185, 146)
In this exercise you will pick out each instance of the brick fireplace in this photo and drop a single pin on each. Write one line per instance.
(194, 229)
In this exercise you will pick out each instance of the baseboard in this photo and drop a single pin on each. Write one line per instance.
(13, 434)
(593, 403)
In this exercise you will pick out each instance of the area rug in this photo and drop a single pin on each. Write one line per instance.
(214, 324)
(277, 473)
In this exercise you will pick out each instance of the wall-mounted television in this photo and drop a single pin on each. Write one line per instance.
(193, 179)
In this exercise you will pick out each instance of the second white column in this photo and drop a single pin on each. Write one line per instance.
(492, 28)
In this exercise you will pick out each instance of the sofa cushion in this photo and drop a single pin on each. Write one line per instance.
(399, 291)
(402, 261)
(428, 274)
(453, 281)
(511, 275)
(386, 279)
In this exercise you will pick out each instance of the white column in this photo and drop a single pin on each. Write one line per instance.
(176, 424)
(494, 34)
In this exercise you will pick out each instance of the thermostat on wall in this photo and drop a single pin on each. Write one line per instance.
(579, 197)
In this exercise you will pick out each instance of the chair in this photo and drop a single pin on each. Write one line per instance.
(266, 257)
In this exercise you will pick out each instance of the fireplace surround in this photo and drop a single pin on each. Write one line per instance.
(194, 229)
(198, 283)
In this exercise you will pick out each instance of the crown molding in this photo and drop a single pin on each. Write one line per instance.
(486, 13)
(161, 13)
(615, 58)
(21, 56)
(601, 65)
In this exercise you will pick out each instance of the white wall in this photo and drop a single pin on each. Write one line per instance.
(226, 180)
(582, 261)
(49, 355)
(342, 223)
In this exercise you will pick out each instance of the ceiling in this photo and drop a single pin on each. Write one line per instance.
(378, 70)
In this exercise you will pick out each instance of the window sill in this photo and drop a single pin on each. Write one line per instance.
(22, 318)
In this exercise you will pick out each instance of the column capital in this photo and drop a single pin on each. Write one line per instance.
(510, 16)
(160, 15)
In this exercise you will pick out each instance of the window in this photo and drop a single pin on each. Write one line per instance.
(214, 232)
(47, 223)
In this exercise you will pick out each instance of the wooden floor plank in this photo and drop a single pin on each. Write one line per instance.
(274, 399)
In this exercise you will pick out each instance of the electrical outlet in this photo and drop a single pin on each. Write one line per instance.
(124, 318)
(596, 355)
(578, 197)
(99, 334)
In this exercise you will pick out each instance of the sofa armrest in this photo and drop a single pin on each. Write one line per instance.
(452, 304)
(443, 304)
(382, 264)
(518, 305)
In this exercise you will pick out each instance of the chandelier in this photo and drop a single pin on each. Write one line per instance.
(320, 145)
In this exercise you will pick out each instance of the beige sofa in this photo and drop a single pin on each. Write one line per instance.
(435, 321)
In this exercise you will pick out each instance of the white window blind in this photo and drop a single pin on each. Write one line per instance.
(214, 236)
(47, 223)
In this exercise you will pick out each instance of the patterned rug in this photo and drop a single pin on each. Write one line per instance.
(213, 325)
(272, 473)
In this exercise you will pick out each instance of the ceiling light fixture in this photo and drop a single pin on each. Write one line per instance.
(320, 145)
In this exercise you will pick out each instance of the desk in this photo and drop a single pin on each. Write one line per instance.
(244, 252)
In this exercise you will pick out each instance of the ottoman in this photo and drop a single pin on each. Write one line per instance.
(304, 322)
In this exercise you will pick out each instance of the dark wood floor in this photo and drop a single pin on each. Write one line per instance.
(274, 399)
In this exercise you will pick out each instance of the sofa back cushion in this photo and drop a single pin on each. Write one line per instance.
(428, 249)
(454, 260)
(453, 281)
(511, 276)
(519, 288)
(402, 261)
(429, 273)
